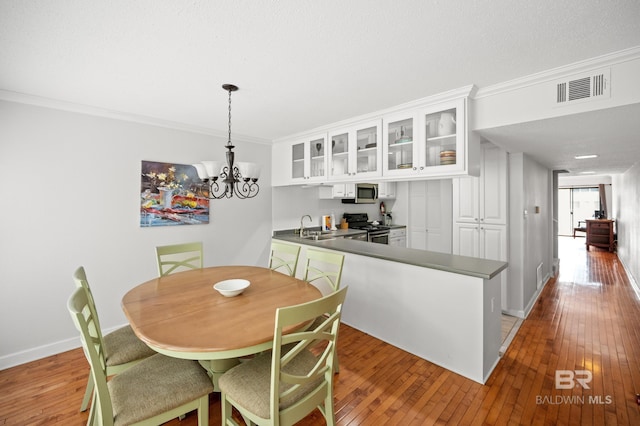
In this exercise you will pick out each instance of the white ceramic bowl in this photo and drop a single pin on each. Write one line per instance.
(230, 288)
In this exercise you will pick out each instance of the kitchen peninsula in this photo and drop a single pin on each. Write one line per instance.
(444, 308)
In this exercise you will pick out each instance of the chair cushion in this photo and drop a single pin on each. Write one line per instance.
(154, 386)
(123, 346)
(249, 383)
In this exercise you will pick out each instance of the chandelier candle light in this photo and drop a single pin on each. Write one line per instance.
(239, 178)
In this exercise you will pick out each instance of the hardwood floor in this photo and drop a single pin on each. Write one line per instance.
(589, 319)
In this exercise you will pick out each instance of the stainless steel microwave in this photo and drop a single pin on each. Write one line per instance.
(365, 193)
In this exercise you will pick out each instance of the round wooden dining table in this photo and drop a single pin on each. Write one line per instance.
(183, 316)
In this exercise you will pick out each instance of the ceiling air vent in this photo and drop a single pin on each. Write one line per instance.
(583, 87)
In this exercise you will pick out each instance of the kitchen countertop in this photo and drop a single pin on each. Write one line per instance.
(472, 266)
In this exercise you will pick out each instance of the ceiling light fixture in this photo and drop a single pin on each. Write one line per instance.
(589, 172)
(240, 179)
(582, 157)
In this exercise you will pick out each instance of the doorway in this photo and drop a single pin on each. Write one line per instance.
(575, 205)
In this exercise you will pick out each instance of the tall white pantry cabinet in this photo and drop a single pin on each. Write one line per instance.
(480, 211)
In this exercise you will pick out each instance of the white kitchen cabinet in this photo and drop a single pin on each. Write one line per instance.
(483, 241)
(430, 215)
(483, 199)
(423, 139)
(398, 237)
(354, 152)
(338, 190)
(480, 211)
(300, 161)
(399, 146)
(386, 190)
(429, 142)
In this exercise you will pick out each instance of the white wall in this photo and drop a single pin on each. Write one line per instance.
(627, 207)
(530, 243)
(532, 97)
(70, 197)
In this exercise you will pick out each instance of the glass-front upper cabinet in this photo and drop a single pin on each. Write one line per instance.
(368, 158)
(399, 144)
(308, 159)
(429, 142)
(355, 151)
(443, 128)
(339, 155)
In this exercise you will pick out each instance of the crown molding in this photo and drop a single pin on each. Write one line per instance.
(23, 98)
(560, 72)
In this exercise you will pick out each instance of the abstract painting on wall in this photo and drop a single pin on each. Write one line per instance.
(171, 194)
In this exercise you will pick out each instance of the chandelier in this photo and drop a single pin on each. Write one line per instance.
(224, 180)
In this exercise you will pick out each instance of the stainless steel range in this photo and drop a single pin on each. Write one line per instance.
(375, 233)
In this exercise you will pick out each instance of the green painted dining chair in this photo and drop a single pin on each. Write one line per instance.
(151, 392)
(284, 257)
(323, 269)
(283, 386)
(122, 348)
(179, 257)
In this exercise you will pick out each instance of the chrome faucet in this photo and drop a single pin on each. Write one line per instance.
(302, 226)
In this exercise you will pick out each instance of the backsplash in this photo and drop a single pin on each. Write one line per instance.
(290, 203)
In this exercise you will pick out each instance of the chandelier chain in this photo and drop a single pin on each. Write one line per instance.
(229, 140)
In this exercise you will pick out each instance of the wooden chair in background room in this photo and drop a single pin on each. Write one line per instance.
(281, 387)
(122, 348)
(153, 391)
(179, 257)
(284, 258)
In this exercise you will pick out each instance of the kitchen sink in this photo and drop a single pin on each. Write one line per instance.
(322, 237)
(316, 236)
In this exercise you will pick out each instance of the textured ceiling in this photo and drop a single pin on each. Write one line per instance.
(299, 64)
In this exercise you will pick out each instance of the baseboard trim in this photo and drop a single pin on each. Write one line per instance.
(39, 352)
(536, 295)
(514, 313)
(34, 354)
(631, 278)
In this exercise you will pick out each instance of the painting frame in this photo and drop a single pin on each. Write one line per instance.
(171, 194)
